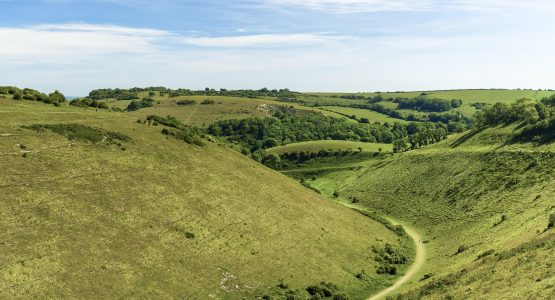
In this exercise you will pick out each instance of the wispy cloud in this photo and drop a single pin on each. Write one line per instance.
(264, 40)
(353, 6)
(70, 42)
(78, 57)
(368, 6)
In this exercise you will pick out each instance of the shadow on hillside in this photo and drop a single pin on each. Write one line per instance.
(539, 139)
(466, 137)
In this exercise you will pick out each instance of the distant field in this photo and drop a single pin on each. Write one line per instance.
(488, 96)
(315, 146)
(364, 113)
(224, 108)
(467, 96)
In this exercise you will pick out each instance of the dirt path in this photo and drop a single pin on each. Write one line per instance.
(419, 259)
(191, 114)
(414, 268)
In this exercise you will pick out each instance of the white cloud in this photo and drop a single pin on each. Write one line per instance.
(351, 6)
(69, 42)
(264, 40)
(79, 57)
(365, 6)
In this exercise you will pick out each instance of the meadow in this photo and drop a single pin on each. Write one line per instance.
(223, 108)
(371, 116)
(315, 146)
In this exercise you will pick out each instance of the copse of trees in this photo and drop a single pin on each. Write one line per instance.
(85, 102)
(537, 117)
(289, 126)
(136, 105)
(419, 139)
(423, 103)
(55, 98)
(177, 129)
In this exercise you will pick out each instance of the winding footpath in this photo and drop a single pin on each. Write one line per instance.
(414, 268)
(419, 259)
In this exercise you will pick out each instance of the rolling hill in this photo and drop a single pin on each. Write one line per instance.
(97, 205)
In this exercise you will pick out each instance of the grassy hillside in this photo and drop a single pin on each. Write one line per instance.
(482, 205)
(315, 146)
(222, 108)
(372, 116)
(123, 211)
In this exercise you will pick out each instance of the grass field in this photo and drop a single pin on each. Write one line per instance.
(202, 115)
(372, 116)
(154, 217)
(315, 146)
(469, 195)
(467, 96)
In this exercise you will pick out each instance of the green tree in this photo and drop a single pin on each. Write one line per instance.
(273, 161)
(57, 97)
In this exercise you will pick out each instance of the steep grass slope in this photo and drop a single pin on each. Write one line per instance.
(132, 213)
(483, 206)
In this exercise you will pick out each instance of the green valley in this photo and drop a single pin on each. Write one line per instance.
(177, 198)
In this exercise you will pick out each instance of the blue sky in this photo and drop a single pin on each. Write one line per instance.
(306, 45)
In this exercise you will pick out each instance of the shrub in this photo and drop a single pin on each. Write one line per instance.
(136, 105)
(282, 285)
(81, 132)
(426, 276)
(208, 102)
(186, 102)
(323, 290)
(189, 235)
(336, 194)
(341, 296)
(461, 249)
(388, 258)
(272, 161)
(386, 268)
(486, 253)
(189, 136)
(551, 223)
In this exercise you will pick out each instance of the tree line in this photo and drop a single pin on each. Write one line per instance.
(55, 98)
(423, 103)
(133, 93)
(291, 126)
(537, 117)
(455, 122)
